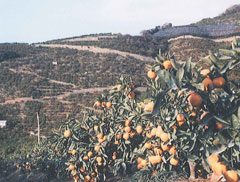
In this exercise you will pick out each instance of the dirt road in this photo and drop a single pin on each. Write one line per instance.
(99, 50)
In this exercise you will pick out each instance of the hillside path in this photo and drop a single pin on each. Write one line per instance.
(66, 94)
(99, 50)
(227, 39)
(50, 80)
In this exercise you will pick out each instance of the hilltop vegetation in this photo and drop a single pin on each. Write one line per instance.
(143, 45)
(231, 15)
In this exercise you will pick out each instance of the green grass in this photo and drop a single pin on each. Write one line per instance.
(16, 147)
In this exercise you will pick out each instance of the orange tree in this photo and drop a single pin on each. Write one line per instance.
(186, 115)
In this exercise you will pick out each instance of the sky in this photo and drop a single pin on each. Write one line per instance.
(41, 20)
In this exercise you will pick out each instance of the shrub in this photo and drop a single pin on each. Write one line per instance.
(170, 129)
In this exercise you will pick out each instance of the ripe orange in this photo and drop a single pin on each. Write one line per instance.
(149, 107)
(204, 72)
(90, 154)
(167, 65)
(219, 168)
(87, 178)
(152, 160)
(74, 173)
(174, 161)
(180, 117)
(155, 159)
(219, 126)
(164, 137)
(131, 85)
(139, 166)
(158, 158)
(100, 140)
(193, 114)
(76, 178)
(131, 95)
(119, 87)
(219, 82)
(116, 142)
(99, 159)
(153, 132)
(98, 103)
(132, 134)
(97, 148)
(139, 129)
(67, 133)
(82, 169)
(74, 152)
(172, 150)
(157, 151)
(231, 176)
(103, 104)
(152, 74)
(144, 163)
(95, 128)
(109, 104)
(126, 136)
(127, 122)
(207, 84)
(213, 158)
(159, 131)
(71, 167)
(139, 160)
(165, 147)
(28, 167)
(100, 136)
(195, 99)
(180, 123)
(85, 158)
(119, 136)
(127, 129)
(147, 145)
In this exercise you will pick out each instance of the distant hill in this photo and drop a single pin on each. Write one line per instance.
(225, 25)
(231, 15)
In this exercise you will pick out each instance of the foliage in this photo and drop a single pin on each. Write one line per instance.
(181, 119)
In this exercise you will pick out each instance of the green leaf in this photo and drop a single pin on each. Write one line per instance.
(158, 102)
(226, 52)
(235, 121)
(213, 57)
(188, 65)
(222, 121)
(192, 157)
(180, 74)
(174, 64)
(217, 149)
(238, 113)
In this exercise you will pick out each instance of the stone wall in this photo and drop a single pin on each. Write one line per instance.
(211, 31)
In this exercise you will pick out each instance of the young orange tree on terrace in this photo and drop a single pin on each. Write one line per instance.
(188, 121)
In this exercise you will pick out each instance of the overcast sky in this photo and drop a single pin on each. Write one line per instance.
(41, 20)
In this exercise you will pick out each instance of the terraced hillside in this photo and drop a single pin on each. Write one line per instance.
(63, 77)
(55, 82)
